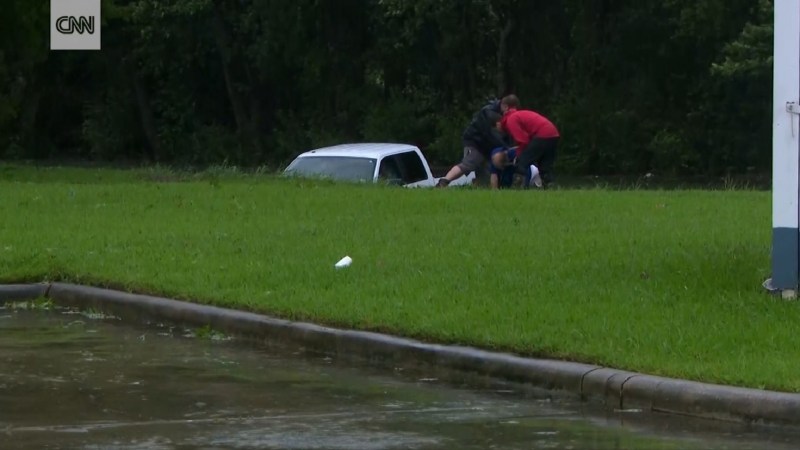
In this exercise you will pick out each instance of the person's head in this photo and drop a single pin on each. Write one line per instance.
(494, 119)
(509, 102)
(501, 158)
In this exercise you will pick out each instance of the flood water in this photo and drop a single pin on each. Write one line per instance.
(83, 381)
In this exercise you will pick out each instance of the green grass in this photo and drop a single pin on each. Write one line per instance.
(663, 282)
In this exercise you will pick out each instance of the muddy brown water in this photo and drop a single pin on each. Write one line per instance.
(78, 380)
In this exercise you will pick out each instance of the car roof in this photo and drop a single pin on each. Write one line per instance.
(364, 150)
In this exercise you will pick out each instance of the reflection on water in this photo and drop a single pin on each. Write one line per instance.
(70, 380)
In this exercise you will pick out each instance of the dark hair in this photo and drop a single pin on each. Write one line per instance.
(511, 101)
(493, 117)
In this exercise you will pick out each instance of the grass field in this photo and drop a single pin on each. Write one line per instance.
(663, 282)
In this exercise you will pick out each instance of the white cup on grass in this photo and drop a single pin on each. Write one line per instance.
(344, 262)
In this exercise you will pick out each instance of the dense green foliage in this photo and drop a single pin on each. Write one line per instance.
(671, 86)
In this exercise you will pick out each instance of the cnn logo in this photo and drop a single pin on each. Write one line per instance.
(75, 24)
(71, 24)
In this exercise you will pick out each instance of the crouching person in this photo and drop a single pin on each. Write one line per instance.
(479, 138)
(503, 169)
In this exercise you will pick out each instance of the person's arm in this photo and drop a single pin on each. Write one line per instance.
(494, 175)
(514, 128)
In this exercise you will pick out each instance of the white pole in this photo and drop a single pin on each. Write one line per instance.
(786, 147)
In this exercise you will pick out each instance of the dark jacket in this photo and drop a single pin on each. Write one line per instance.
(480, 133)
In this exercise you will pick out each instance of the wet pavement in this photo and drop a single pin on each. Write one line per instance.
(85, 381)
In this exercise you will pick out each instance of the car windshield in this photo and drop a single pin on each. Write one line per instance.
(336, 167)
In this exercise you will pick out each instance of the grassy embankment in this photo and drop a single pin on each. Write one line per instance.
(664, 282)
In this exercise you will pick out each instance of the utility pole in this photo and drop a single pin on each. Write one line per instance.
(786, 149)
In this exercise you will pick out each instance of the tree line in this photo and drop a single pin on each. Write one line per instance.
(665, 86)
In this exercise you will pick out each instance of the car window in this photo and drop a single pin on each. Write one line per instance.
(406, 166)
(389, 169)
(411, 166)
(336, 167)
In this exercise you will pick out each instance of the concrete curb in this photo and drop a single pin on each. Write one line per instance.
(22, 292)
(617, 389)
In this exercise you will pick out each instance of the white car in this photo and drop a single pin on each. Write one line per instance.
(400, 164)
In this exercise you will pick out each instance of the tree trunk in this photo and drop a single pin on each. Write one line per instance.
(223, 40)
(502, 59)
(28, 114)
(34, 142)
(147, 118)
(245, 123)
(256, 115)
(473, 61)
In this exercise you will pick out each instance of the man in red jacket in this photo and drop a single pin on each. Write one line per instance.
(535, 135)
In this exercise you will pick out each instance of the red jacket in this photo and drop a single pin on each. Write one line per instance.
(524, 125)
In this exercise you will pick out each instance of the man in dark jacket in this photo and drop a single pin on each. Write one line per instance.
(479, 138)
